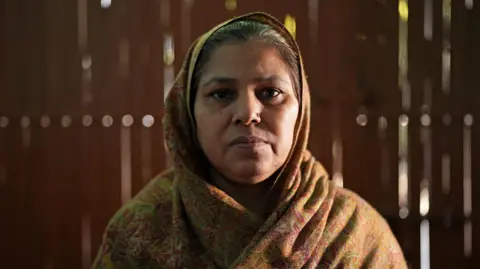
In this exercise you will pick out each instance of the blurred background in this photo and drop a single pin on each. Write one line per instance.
(395, 117)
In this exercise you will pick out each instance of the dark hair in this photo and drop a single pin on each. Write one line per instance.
(242, 31)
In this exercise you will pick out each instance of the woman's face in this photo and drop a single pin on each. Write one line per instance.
(245, 111)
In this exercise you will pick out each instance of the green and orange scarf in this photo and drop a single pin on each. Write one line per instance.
(180, 220)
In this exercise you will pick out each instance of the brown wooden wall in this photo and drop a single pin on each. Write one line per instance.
(81, 101)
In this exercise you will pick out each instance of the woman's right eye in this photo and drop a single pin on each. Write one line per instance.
(222, 94)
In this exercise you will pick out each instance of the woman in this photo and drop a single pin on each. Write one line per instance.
(244, 192)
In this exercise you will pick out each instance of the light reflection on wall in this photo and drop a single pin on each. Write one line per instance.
(231, 5)
(403, 167)
(446, 55)
(384, 151)
(168, 59)
(126, 158)
(337, 154)
(105, 3)
(403, 82)
(469, 4)
(291, 25)
(425, 244)
(428, 20)
(467, 183)
(146, 147)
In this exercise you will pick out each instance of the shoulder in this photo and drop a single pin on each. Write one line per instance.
(139, 222)
(158, 190)
(350, 201)
(359, 213)
(150, 203)
(362, 232)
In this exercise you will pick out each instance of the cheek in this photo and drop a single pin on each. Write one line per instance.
(286, 125)
(203, 126)
(208, 130)
(290, 114)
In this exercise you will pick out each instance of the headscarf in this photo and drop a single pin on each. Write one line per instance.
(180, 220)
(179, 123)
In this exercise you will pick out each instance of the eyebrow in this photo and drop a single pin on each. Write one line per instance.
(226, 80)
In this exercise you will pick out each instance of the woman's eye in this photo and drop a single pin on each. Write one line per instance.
(222, 94)
(270, 93)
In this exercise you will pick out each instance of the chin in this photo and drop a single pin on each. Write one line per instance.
(249, 173)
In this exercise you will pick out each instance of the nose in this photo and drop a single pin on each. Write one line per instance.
(247, 109)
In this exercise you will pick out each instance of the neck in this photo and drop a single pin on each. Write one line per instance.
(253, 197)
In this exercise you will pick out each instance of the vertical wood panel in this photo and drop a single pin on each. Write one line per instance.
(105, 195)
(33, 193)
(104, 38)
(106, 27)
(419, 58)
(14, 229)
(63, 185)
(6, 135)
(32, 74)
(372, 80)
(441, 237)
(201, 23)
(475, 259)
(156, 79)
(62, 88)
(4, 193)
(87, 187)
(135, 93)
(7, 50)
(473, 86)
(32, 87)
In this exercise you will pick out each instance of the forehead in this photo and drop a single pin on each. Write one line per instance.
(246, 60)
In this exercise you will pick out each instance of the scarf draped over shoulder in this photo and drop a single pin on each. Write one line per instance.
(180, 220)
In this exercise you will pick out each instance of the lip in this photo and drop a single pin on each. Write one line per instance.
(248, 141)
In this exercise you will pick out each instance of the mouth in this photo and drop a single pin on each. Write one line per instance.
(248, 141)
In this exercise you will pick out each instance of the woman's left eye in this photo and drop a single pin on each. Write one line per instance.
(270, 93)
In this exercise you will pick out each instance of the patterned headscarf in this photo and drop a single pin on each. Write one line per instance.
(179, 123)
